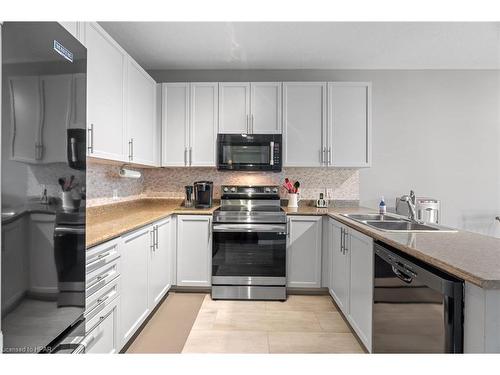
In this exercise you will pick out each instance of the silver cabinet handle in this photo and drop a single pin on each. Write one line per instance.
(346, 249)
(342, 240)
(152, 239)
(323, 156)
(185, 156)
(130, 150)
(132, 153)
(90, 146)
(157, 237)
(329, 156)
(190, 156)
(248, 125)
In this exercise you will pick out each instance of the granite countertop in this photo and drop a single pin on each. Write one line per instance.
(469, 256)
(466, 255)
(113, 220)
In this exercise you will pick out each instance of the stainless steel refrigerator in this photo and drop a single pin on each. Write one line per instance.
(43, 184)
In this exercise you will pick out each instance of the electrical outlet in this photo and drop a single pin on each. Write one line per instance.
(115, 193)
(329, 194)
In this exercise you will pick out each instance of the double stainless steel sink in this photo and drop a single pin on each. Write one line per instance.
(396, 223)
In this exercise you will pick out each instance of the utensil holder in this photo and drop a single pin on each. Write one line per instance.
(68, 203)
(293, 200)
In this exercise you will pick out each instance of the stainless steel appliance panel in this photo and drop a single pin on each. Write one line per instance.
(43, 268)
(416, 309)
(249, 152)
(248, 292)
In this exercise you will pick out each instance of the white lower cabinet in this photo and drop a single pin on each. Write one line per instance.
(340, 266)
(103, 338)
(304, 251)
(160, 275)
(194, 250)
(361, 285)
(351, 277)
(135, 274)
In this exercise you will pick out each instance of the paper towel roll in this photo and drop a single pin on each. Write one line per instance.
(128, 173)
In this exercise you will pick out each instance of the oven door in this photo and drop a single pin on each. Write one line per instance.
(258, 152)
(249, 254)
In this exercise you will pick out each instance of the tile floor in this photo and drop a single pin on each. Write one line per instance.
(302, 324)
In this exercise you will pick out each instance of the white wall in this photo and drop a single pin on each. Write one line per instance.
(434, 131)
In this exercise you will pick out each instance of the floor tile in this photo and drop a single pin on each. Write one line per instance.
(214, 341)
(313, 342)
(302, 303)
(332, 321)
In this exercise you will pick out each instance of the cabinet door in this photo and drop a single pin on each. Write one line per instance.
(14, 282)
(265, 103)
(159, 265)
(57, 92)
(361, 285)
(203, 123)
(105, 94)
(134, 273)
(26, 109)
(349, 124)
(103, 339)
(175, 124)
(304, 116)
(194, 250)
(340, 275)
(234, 107)
(141, 115)
(304, 252)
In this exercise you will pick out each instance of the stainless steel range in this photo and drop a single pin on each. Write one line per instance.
(249, 244)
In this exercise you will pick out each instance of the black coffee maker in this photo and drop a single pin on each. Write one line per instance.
(203, 194)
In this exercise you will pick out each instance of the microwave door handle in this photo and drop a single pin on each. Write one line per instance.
(73, 149)
(271, 146)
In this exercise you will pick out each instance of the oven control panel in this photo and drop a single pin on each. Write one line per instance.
(250, 191)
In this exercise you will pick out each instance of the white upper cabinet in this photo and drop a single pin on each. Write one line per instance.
(250, 107)
(304, 251)
(141, 116)
(106, 65)
(190, 117)
(234, 107)
(175, 124)
(349, 124)
(26, 108)
(265, 100)
(304, 119)
(203, 122)
(57, 92)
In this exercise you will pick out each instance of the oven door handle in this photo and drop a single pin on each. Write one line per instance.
(271, 228)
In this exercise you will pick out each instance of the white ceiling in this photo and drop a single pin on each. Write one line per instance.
(318, 45)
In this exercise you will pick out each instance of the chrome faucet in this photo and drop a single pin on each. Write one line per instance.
(411, 200)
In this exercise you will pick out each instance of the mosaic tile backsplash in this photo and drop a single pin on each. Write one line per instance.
(102, 179)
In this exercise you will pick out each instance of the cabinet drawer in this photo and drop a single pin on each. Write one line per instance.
(99, 278)
(101, 255)
(104, 297)
(101, 331)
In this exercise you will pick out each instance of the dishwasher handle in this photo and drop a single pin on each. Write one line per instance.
(401, 275)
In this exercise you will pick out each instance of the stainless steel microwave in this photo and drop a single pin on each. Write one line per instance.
(249, 152)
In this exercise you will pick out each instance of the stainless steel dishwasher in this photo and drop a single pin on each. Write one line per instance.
(416, 308)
